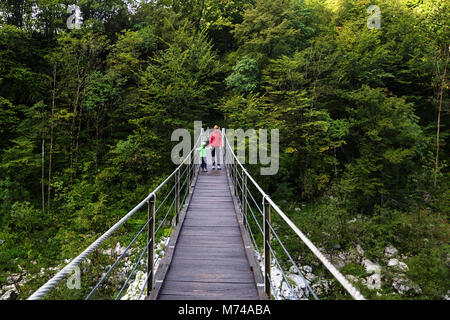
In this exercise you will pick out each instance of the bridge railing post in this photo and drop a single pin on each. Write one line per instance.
(224, 146)
(177, 197)
(151, 249)
(235, 177)
(267, 256)
(244, 197)
(188, 172)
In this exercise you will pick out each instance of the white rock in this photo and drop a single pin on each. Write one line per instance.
(390, 251)
(293, 269)
(9, 295)
(298, 209)
(107, 252)
(135, 287)
(118, 250)
(370, 266)
(374, 281)
(359, 250)
(307, 269)
(353, 256)
(10, 287)
(286, 292)
(276, 276)
(21, 282)
(299, 281)
(337, 260)
(321, 287)
(13, 278)
(310, 277)
(352, 278)
(395, 263)
(404, 285)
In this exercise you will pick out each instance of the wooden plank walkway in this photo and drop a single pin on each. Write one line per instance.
(209, 260)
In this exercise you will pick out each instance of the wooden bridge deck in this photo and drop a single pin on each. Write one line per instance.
(210, 260)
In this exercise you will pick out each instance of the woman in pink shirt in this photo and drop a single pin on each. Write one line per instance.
(215, 141)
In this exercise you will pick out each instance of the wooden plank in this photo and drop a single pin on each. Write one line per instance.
(210, 290)
(184, 251)
(209, 275)
(235, 239)
(211, 216)
(214, 200)
(213, 268)
(199, 208)
(216, 230)
(203, 187)
(211, 241)
(199, 297)
(199, 223)
(232, 264)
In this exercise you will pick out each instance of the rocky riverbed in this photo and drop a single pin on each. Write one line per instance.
(15, 281)
(295, 283)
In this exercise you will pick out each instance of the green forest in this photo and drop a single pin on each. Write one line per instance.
(86, 116)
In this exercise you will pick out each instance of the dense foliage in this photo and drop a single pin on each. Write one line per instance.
(86, 116)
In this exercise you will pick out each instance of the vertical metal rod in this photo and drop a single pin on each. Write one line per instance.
(189, 176)
(244, 197)
(235, 178)
(267, 257)
(151, 249)
(177, 195)
(224, 147)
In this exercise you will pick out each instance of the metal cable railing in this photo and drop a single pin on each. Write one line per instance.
(273, 253)
(157, 258)
(191, 162)
(239, 176)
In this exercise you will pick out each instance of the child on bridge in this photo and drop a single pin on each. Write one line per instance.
(202, 153)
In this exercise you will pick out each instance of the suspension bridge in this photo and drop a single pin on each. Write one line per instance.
(211, 251)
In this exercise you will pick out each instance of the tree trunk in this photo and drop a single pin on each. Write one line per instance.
(439, 117)
(96, 144)
(77, 141)
(75, 110)
(43, 177)
(51, 139)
